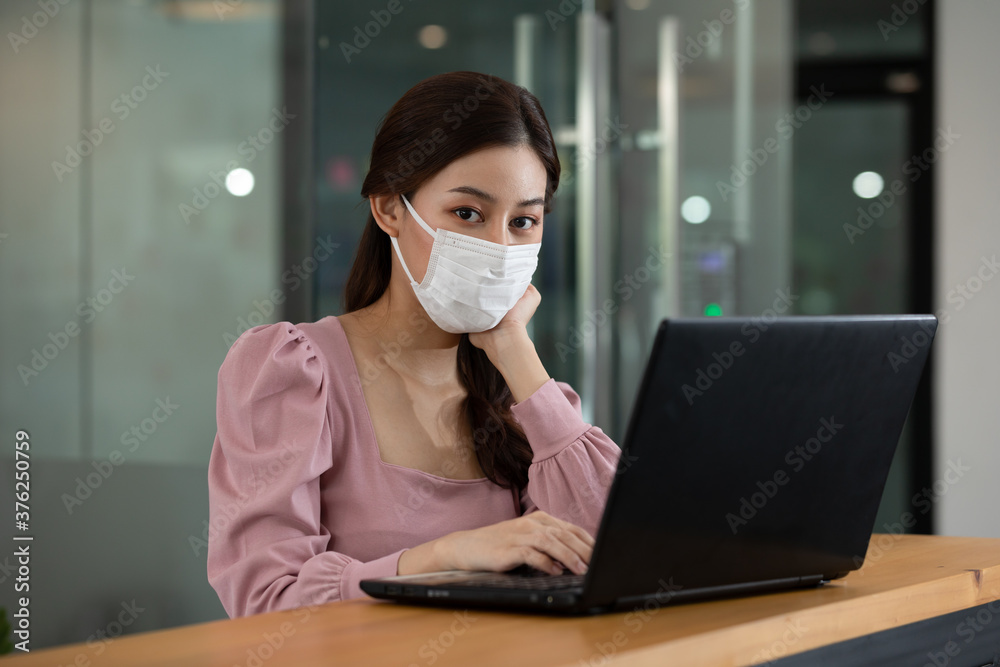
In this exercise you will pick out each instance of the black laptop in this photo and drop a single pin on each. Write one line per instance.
(754, 461)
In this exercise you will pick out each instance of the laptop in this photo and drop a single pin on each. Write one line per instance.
(754, 461)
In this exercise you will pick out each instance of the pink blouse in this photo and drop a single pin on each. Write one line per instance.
(301, 505)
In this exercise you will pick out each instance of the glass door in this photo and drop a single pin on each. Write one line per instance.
(675, 198)
(659, 109)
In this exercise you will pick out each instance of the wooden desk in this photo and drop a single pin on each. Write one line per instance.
(906, 579)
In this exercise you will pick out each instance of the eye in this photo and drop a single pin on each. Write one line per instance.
(524, 223)
(468, 214)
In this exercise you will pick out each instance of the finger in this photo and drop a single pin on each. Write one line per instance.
(540, 561)
(579, 547)
(549, 520)
(562, 546)
(575, 537)
(583, 535)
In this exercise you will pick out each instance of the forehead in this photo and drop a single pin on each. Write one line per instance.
(503, 171)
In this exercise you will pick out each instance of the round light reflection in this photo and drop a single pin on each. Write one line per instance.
(432, 37)
(868, 185)
(239, 182)
(696, 210)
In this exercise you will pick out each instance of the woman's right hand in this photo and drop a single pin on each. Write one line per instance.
(536, 539)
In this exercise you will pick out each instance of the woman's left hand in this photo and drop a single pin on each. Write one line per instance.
(512, 325)
(510, 349)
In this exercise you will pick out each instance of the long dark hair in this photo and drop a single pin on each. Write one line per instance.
(437, 121)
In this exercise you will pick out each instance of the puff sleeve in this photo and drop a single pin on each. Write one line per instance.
(267, 546)
(573, 462)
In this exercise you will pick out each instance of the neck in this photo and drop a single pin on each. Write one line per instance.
(412, 344)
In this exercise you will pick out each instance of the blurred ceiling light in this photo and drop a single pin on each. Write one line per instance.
(216, 10)
(903, 82)
(239, 182)
(696, 210)
(637, 5)
(647, 140)
(868, 185)
(821, 43)
(432, 37)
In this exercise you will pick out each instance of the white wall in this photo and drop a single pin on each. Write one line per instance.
(967, 352)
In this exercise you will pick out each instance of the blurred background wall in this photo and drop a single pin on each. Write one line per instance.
(116, 115)
(134, 247)
(968, 212)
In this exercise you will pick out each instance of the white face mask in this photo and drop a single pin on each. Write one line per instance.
(470, 284)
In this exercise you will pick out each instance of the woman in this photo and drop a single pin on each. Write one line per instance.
(419, 431)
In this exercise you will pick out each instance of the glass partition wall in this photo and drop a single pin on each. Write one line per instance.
(139, 234)
(657, 109)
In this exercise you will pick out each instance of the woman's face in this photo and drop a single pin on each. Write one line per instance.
(496, 194)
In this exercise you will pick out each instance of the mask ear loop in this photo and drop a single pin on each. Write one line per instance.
(420, 221)
(395, 242)
(395, 246)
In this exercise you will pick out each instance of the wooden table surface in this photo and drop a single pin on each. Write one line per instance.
(905, 579)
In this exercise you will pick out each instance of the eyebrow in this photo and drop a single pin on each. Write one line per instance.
(487, 197)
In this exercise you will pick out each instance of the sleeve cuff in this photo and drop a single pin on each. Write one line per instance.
(550, 421)
(350, 581)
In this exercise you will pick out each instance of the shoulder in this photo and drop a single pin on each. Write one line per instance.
(272, 397)
(271, 357)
